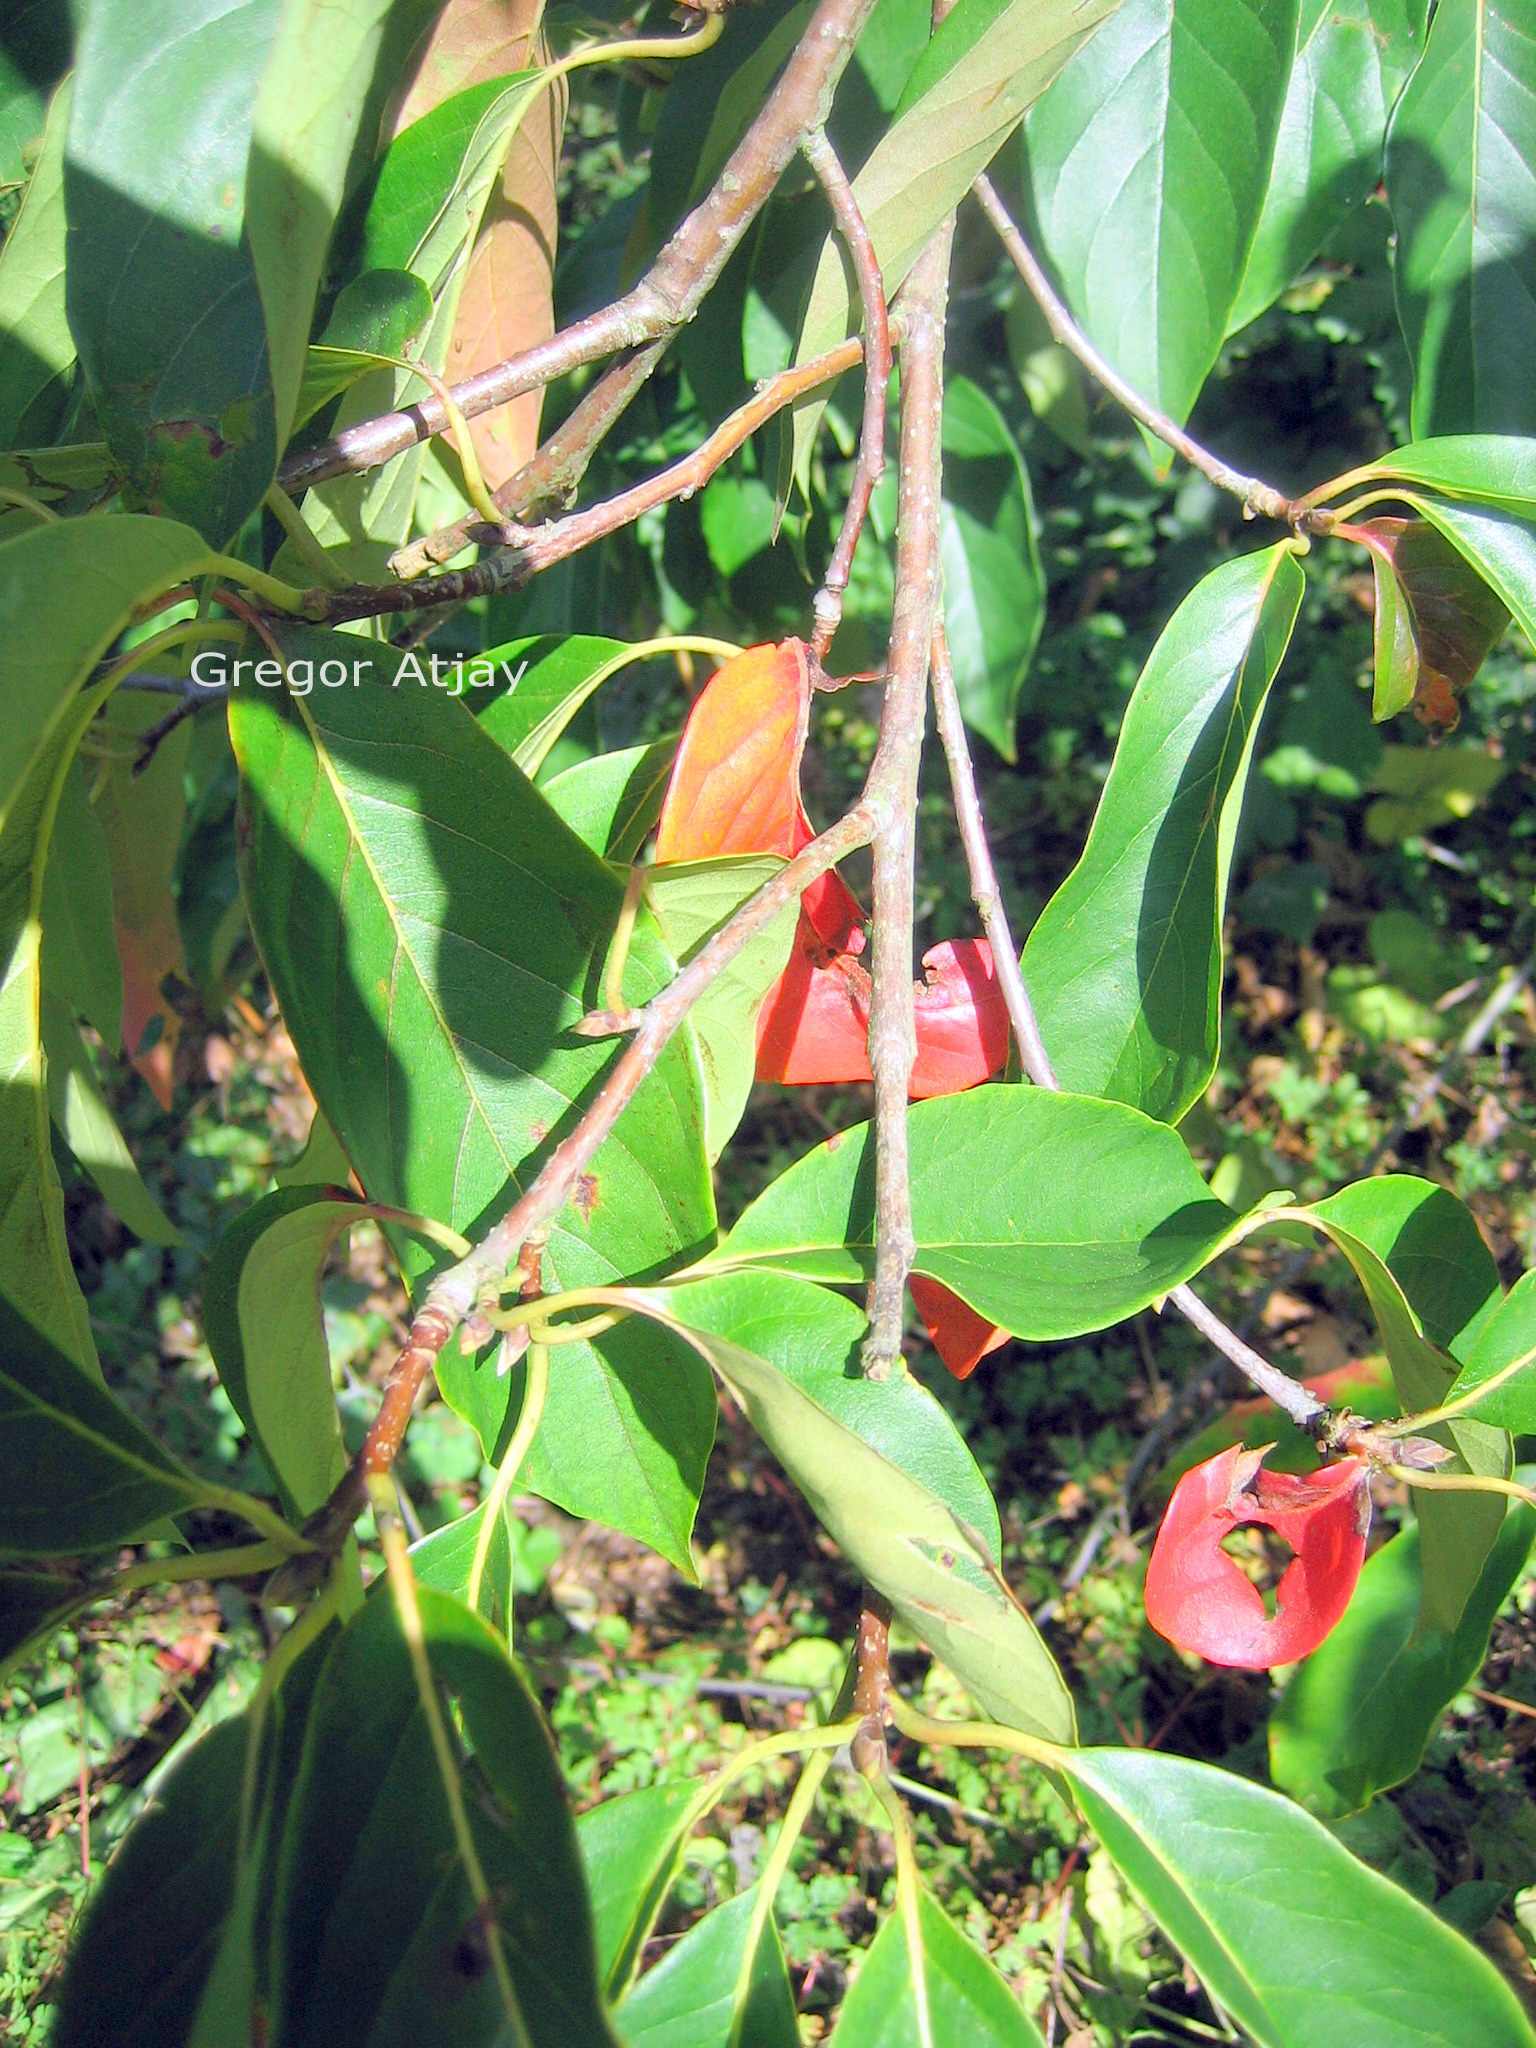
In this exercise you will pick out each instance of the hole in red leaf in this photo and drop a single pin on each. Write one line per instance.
(1263, 1556)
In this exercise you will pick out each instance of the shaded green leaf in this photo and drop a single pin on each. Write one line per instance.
(947, 1991)
(547, 680)
(1502, 550)
(688, 2000)
(79, 946)
(376, 1934)
(1357, 1715)
(1124, 965)
(85, 1121)
(1146, 165)
(1352, 57)
(77, 1473)
(1461, 182)
(909, 1545)
(1426, 787)
(36, 347)
(445, 1559)
(154, 183)
(34, 1606)
(1436, 619)
(137, 1969)
(994, 586)
(266, 1330)
(315, 123)
(376, 315)
(1303, 1946)
(34, 55)
(1050, 1214)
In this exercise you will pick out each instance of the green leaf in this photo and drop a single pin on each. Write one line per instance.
(316, 121)
(36, 348)
(947, 1991)
(812, 1337)
(85, 1121)
(1431, 1284)
(468, 931)
(1461, 182)
(1052, 1215)
(444, 1560)
(77, 1473)
(547, 680)
(692, 900)
(377, 314)
(1125, 962)
(1501, 549)
(1356, 1717)
(1426, 787)
(688, 2000)
(1146, 165)
(987, 60)
(1301, 1945)
(33, 57)
(909, 1544)
(631, 1848)
(613, 801)
(1497, 470)
(994, 586)
(163, 301)
(1508, 1334)
(376, 1935)
(34, 1606)
(1352, 58)
(423, 217)
(1436, 619)
(266, 1330)
(79, 945)
(65, 591)
(138, 1966)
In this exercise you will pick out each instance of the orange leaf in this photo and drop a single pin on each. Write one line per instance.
(960, 1336)
(735, 786)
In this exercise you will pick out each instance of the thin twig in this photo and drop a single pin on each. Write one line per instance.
(455, 1294)
(1258, 497)
(670, 293)
(893, 781)
(827, 608)
(531, 550)
(978, 859)
(1289, 1395)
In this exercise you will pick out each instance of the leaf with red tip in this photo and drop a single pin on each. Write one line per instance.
(962, 1021)
(1200, 1598)
(960, 1336)
(1436, 620)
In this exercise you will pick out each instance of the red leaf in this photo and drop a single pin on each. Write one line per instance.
(960, 1336)
(1200, 1598)
(1452, 615)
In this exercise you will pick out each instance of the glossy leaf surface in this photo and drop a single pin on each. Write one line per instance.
(1302, 1945)
(631, 1847)
(1352, 57)
(1505, 1338)
(1124, 965)
(1461, 182)
(1436, 620)
(1146, 168)
(1000, 1176)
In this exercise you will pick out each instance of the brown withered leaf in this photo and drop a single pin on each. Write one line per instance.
(507, 303)
(1435, 620)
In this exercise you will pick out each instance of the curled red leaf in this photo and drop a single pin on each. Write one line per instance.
(1201, 1599)
(960, 1336)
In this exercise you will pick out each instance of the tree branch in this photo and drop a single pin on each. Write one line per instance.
(1258, 497)
(666, 298)
(457, 1294)
(870, 467)
(530, 550)
(893, 785)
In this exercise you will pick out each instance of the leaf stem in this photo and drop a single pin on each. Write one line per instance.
(1258, 497)
(242, 1561)
(774, 1870)
(535, 1389)
(1464, 1482)
(974, 1735)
